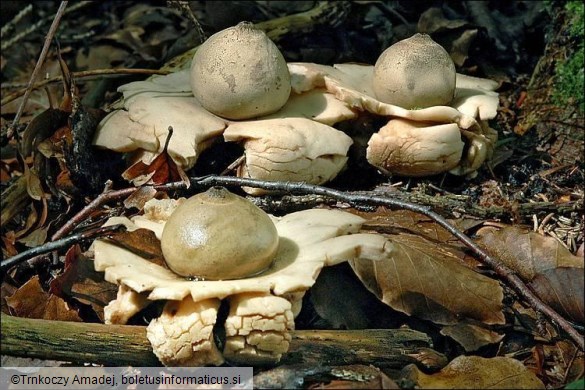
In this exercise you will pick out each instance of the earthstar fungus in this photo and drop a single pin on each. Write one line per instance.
(261, 306)
(291, 136)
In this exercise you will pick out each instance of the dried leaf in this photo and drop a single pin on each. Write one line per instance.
(562, 288)
(36, 238)
(9, 250)
(39, 235)
(527, 253)
(556, 363)
(81, 282)
(425, 280)
(433, 20)
(4, 175)
(31, 301)
(33, 183)
(31, 219)
(161, 170)
(6, 290)
(405, 221)
(455, 35)
(471, 336)
(9, 165)
(474, 372)
(142, 242)
(64, 182)
(429, 359)
(460, 47)
(42, 127)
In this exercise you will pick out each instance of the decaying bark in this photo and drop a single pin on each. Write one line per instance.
(122, 345)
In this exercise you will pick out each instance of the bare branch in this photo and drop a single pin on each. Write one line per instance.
(38, 66)
(54, 245)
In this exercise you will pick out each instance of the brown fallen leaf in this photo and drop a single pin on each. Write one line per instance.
(34, 187)
(6, 290)
(527, 253)
(562, 288)
(80, 281)
(42, 127)
(142, 242)
(139, 198)
(31, 219)
(550, 269)
(556, 364)
(425, 280)
(36, 238)
(405, 221)
(388, 221)
(9, 239)
(474, 372)
(31, 301)
(161, 170)
(429, 359)
(455, 35)
(471, 336)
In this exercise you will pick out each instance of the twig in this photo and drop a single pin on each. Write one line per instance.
(183, 6)
(83, 74)
(236, 163)
(10, 25)
(38, 67)
(501, 270)
(54, 245)
(105, 197)
(6, 43)
(505, 273)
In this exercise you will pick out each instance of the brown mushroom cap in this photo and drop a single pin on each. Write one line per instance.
(415, 72)
(218, 235)
(239, 73)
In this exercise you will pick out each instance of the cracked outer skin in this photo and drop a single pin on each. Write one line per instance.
(262, 307)
(258, 329)
(183, 334)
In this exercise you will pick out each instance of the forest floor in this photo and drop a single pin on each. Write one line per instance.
(533, 182)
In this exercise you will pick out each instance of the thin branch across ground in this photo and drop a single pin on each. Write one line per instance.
(354, 199)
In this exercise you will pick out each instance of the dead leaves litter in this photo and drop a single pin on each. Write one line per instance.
(554, 273)
(31, 301)
(474, 372)
(423, 280)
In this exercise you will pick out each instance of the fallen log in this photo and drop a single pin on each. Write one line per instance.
(125, 345)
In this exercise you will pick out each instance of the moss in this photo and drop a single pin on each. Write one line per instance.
(569, 74)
